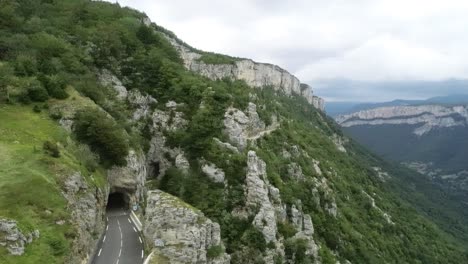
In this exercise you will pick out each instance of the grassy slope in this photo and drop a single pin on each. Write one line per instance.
(30, 182)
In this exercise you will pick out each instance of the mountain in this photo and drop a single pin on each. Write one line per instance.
(430, 138)
(222, 159)
(335, 109)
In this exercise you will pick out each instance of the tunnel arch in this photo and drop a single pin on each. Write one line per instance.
(117, 200)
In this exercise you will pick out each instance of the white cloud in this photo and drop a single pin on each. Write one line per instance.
(376, 40)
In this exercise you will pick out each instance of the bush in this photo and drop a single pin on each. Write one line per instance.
(36, 92)
(86, 157)
(37, 109)
(214, 251)
(51, 149)
(55, 86)
(103, 135)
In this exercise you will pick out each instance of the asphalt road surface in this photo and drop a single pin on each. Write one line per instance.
(121, 243)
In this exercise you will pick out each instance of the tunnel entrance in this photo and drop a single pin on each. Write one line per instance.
(116, 201)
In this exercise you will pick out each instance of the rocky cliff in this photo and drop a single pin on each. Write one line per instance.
(426, 117)
(253, 73)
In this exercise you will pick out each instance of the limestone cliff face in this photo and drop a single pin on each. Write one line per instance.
(253, 73)
(179, 233)
(87, 206)
(427, 117)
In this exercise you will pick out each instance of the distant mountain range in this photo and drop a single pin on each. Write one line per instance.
(341, 108)
(429, 136)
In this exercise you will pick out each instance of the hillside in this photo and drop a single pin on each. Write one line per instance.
(224, 163)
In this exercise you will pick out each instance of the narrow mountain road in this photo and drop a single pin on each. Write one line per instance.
(121, 243)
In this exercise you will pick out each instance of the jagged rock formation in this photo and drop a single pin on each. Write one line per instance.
(426, 117)
(87, 206)
(13, 239)
(253, 73)
(129, 179)
(180, 233)
(241, 127)
(264, 202)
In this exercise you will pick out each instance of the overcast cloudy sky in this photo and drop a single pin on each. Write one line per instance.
(330, 42)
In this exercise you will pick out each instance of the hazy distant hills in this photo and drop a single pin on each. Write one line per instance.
(430, 136)
(340, 108)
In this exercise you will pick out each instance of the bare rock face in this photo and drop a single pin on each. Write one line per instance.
(180, 233)
(129, 179)
(87, 206)
(13, 239)
(214, 173)
(182, 163)
(253, 73)
(243, 127)
(295, 171)
(108, 79)
(141, 103)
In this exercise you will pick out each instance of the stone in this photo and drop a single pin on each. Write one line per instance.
(182, 234)
(108, 79)
(339, 142)
(295, 172)
(243, 127)
(226, 145)
(129, 179)
(214, 173)
(13, 239)
(315, 164)
(182, 163)
(87, 206)
(141, 103)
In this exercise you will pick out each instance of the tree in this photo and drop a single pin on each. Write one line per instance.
(103, 135)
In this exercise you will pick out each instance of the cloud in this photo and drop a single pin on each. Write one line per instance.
(360, 40)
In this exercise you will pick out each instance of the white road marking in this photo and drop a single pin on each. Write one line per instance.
(117, 261)
(140, 240)
(99, 254)
(104, 240)
(107, 228)
(120, 252)
(129, 220)
(121, 242)
(134, 229)
(142, 253)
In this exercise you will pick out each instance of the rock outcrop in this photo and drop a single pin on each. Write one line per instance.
(253, 73)
(87, 206)
(129, 179)
(241, 127)
(425, 117)
(13, 239)
(180, 233)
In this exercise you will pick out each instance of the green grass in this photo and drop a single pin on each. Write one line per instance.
(30, 182)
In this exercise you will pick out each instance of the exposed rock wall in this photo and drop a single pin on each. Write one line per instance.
(180, 233)
(426, 117)
(253, 73)
(129, 179)
(87, 206)
(13, 239)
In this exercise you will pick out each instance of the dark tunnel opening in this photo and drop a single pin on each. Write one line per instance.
(116, 201)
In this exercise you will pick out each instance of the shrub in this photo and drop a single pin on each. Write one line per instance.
(37, 109)
(36, 92)
(55, 86)
(88, 158)
(51, 149)
(103, 135)
(214, 251)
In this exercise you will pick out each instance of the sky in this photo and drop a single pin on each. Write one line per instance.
(381, 49)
